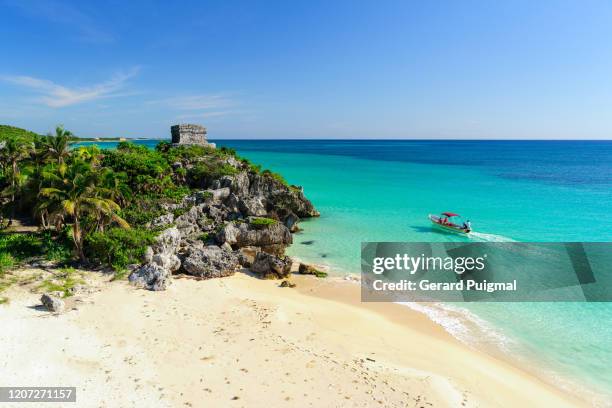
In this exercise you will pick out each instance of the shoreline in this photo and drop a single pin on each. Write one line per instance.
(301, 344)
(484, 336)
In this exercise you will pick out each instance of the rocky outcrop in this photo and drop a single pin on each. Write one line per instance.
(253, 206)
(291, 222)
(150, 276)
(167, 242)
(211, 262)
(306, 269)
(212, 232)
(269, 266)
(272, 238)
(248, 255)
(160, 260)
(162, 220)
(52, 303)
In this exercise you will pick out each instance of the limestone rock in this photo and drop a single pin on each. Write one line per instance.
(269, 266)
(211, 262)
(253, 206)
(291, 222)
(167, 242)
(150, 276)
(248, 255)
(148, 255)
(219, 194)
(305, 269)
(170, 262)
(273, 238)
(52, 303)
(287, 284)
(162, 220)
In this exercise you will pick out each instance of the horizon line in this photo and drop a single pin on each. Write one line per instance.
(368, 139)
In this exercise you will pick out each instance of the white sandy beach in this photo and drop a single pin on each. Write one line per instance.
(245, 342)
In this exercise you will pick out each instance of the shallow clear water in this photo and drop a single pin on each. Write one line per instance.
(510, 190)
(524, 191)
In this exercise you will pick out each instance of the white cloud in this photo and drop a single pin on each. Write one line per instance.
(57, 96)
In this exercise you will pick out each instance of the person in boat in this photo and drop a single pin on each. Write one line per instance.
(444, 220)
(467, 226)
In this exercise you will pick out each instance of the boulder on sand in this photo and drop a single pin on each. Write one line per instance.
(52, 303)
(150, 276)
(269, 266)
(273, 238)
(211, 262)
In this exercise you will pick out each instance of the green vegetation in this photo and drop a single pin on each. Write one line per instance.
(16, 248)
(204, 172)
(64, 282)
(11, 132)
(92, 204)
(118, 247)
(261, 223)
(275, 176)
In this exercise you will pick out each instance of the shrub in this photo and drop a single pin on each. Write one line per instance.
(118, 247)
(275, 176)
(189, 153)
(142, 212)
(20, 246)
(146, 170)
(179, 211)
(260, 223)
(204, 172)
(175, 193)
(163, 146)
(57, 248)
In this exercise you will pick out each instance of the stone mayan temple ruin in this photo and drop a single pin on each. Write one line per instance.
(186, 134)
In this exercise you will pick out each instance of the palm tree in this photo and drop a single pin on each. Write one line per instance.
(115, 185)
(90, 154)
(56, 147)
(73, 192)
(12, 152)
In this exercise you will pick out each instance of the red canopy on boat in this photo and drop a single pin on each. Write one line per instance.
(450, 214)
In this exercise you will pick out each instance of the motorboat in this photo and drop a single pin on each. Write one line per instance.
(452, 222)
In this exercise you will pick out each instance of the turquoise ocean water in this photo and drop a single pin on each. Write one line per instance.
(510, 190)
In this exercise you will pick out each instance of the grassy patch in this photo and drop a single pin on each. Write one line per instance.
(64, 282)
(260, 223)
(6, 262)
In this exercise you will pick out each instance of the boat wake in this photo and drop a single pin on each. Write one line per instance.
(482, 237)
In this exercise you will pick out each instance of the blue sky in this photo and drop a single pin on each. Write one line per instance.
(310, 69)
